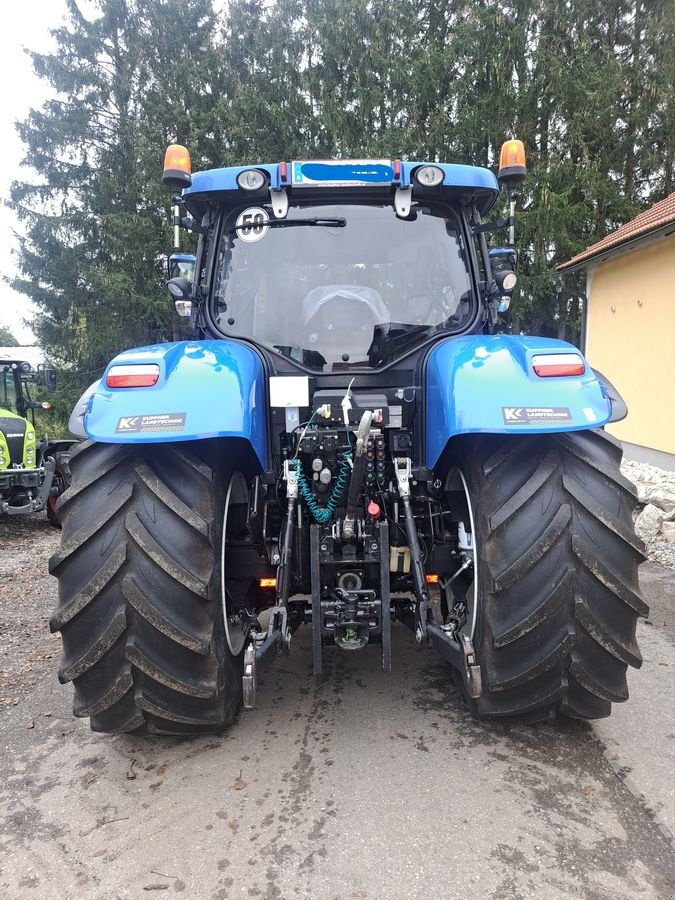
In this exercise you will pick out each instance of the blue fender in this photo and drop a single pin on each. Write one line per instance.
(206, 389)
(486, 384)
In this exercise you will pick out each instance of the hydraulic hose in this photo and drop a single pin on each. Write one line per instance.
(323, 514)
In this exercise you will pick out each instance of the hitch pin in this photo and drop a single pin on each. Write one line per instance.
(465, 565)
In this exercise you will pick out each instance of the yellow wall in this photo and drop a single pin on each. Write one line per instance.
(634, 346)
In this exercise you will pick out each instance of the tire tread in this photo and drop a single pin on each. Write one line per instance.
(137, 608)
(558, 573)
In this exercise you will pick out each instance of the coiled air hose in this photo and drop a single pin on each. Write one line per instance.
(324, 514)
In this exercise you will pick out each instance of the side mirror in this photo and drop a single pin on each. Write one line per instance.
(504, 262)
(181, 265)
(179, 288)
(503, 259)
(49, 377)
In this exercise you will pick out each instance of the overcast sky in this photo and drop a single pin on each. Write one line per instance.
(25, 24)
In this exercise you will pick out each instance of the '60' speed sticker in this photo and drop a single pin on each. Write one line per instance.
(252, 224)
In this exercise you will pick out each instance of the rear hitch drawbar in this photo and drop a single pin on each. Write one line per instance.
(460, 654)
(458, 650)
(261, 650)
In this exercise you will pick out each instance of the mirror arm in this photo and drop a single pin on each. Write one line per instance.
(191, 225)
(499, 223)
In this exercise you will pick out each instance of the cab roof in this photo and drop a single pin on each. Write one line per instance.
(302, 178)
(33, 356)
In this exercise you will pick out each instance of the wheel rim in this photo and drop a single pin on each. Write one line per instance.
(236, 497)
(59, 482)
(465, 584)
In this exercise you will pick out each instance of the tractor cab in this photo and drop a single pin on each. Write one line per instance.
(336, 265)
(10, 391)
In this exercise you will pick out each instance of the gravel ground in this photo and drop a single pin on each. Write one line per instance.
(655, 516)
(28, 652)
(353, 785)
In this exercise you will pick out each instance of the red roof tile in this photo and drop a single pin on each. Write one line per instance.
(651, 219)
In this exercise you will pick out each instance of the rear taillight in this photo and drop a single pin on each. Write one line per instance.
(549, 365)
(132, 376)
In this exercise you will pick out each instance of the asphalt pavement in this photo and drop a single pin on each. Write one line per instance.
(353, 785)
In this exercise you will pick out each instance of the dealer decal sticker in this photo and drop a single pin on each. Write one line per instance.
(536, 415)
(149, 424)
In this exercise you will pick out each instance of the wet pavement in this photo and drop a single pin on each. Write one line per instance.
(354, 785)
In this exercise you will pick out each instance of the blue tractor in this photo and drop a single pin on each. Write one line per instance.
(346, 444)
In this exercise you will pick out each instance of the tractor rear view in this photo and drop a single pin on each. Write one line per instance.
(346, 444)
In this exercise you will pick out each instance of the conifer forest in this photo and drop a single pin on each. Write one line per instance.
(587, 86)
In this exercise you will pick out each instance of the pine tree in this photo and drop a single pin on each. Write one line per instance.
(7, 339)
(93, 258)
(588, 87)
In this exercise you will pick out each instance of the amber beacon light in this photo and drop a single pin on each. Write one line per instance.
(512, 167)
(177, 168)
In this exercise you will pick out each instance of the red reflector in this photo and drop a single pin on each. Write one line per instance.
(431, 579)
(131, 380)
(565, 369)
(268, 582)
(552, 365)
(397, 168)
(282, 171)
(132, 376)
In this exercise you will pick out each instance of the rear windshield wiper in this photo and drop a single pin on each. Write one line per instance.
(337, 222)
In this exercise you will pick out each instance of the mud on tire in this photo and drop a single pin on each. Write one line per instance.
(557, 567)
(139, 595)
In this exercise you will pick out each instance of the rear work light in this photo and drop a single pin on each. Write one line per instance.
(429, 176)
(132, 376)
(549, 365)
(251, 180)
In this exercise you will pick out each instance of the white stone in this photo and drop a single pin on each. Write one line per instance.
(663, 496)
(653, 523)
(649, 522)
(644, 489)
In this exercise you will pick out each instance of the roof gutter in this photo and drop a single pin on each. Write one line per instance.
(601, 255)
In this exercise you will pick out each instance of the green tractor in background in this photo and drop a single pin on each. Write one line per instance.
(33, 471)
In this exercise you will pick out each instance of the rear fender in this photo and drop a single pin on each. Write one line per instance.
(484, 384)
(206, 389)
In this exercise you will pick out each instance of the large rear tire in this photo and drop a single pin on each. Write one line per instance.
(140, 612)
(556, 580)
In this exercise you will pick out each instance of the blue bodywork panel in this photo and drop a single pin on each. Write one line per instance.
(205, 389)
(486, 384)
(471, 178)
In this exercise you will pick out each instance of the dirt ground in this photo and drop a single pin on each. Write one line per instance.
(354, 785)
